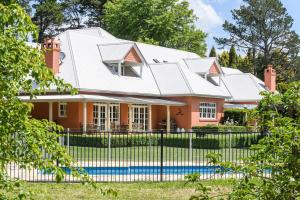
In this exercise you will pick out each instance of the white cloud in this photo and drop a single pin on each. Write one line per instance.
(208, 18)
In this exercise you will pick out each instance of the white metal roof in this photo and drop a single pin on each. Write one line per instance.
(114, 52)
(228, 70)
(84, 67)
(100, 98)
(200, 65)
(240, 106)
(242, 87)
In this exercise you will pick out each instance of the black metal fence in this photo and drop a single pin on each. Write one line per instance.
(147, 156)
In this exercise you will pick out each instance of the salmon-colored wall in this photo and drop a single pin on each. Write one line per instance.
(191, 115)
(214, 69)
(124, 114)
(74, 113)
(132, 56)
(185, 116)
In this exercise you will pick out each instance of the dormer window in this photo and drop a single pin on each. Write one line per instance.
(123, 59)
(125, 69)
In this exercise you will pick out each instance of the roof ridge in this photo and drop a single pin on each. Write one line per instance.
(73, 60)
(185, 78)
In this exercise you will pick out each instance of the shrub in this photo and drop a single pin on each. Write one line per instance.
(222, 128)
(209, 141)
(238, 116)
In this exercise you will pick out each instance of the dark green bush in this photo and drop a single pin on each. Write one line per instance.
(237, 115)
(209, 141)
(222, 128)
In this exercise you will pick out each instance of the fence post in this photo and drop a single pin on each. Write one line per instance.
(161, 154)
(190, 144)
(109, 147)
(230, 145)
(68, 140)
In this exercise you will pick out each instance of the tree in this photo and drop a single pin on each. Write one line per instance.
(94, 11)
(48, 17)
(273, 172)
(167, 23)
(233, 57)
(263, 26)
(24, 140)
(223, 59)
(74, 13)
(212, 52)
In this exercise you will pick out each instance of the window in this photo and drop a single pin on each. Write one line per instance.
(62, 110)
(100, 112)
(208, 110)
(126, 69)
(140, 117)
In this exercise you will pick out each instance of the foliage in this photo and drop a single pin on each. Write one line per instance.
(212, 52)
(48, 17)
(233, 58)
(166, 23)
(238, 116)
(206, 141)
(265, 27)
(223, 59)
(221, 128)
(24, 141)
(273, 172)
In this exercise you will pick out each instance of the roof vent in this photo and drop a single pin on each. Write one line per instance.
(155, 60)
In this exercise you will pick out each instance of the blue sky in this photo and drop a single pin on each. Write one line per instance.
(212, 14)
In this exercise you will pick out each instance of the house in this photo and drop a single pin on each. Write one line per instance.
(134, 86)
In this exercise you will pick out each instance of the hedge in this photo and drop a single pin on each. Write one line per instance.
(237, 115)
(209, 141)
(222, 128)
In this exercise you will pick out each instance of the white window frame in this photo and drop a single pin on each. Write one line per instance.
(208, 110)
(63, 105)
(140, 116)
(100, 114)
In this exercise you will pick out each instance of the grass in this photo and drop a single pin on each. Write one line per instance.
(152, 154)
(128, 191)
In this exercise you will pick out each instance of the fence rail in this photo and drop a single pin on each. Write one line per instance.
(146, 156)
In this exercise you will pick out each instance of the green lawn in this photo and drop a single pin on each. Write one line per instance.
(152, 154)
(126, 191)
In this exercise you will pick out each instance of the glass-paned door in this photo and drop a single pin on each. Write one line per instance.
(140, 117)
(100, 115)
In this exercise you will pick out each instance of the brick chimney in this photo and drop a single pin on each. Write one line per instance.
(270, 78)
(52, 54)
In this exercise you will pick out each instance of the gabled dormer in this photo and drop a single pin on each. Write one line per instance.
(123, 59)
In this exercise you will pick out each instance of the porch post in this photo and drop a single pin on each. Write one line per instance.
(168, 119)
(149, 117)
(50, 111)
(130, 118)
(84, 117)
(108, 117)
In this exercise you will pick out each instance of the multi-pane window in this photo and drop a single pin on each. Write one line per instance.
(62, 110)
(140, 117)
(208, 110)
(100, 112)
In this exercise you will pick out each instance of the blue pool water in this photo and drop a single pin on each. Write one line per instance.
(149, 170)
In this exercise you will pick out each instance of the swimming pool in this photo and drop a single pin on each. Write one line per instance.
(149, 170)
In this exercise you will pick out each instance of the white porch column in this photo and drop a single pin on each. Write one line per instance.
(168, 120)
(130, 117)
(119, 69)
(108, 128)
(84, 113)
(50, 111)
(149, 117)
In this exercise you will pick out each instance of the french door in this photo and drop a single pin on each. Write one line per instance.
(101, 118)
(140, 117)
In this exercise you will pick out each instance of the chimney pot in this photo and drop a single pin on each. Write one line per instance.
(270, 78)
(52, 54)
